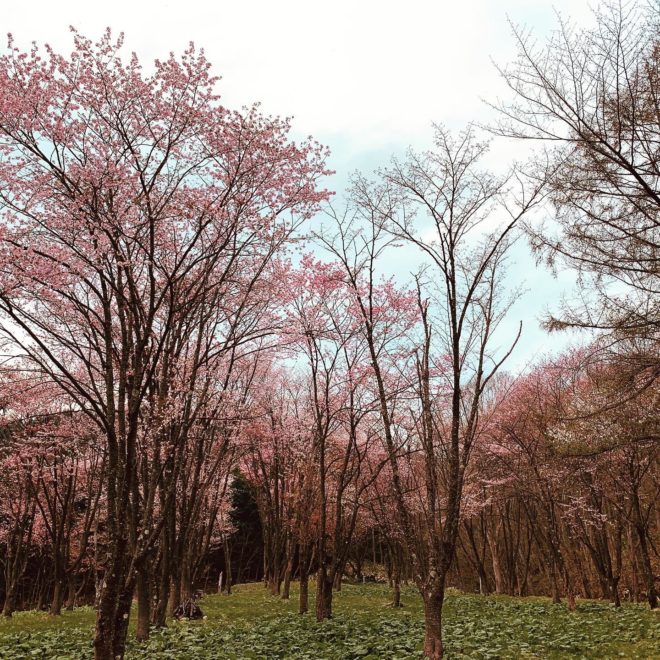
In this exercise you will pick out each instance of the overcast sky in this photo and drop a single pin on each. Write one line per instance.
(367, 78)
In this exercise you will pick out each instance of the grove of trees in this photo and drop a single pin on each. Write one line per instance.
(207, 378)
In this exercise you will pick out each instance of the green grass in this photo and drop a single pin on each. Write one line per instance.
(252, 624)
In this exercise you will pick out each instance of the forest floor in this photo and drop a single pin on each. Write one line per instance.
(252, 624)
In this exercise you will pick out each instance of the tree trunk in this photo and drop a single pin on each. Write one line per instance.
(647, 570)
(337, 580)
(286, 590)
(186, 579)
(304, 593)
(397, 561)
(160, 611)
(143, 603)
(175, 592)
(304, 560)
(433, 600)
(121, 621)
(324, 584)
(634, 581)
(497, 566)
(41, 598)
(10, 601)
(616, 598)
(71, 592)
(58, 599)
(570, 596)
(396, 594)
(554, 587)
(275, 583)
(228, 581)
(568, 586)
(105, 619)
(109, 639)
(483, 578)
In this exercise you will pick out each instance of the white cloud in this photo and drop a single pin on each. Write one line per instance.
(365, 77)
(363, 72)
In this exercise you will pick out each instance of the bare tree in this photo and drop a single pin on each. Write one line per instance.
(444, 204)
(592, 97)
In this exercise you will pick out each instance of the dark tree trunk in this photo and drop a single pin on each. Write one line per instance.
(41, 597)
(305, 560)
(647, 570)
(304, 593)
(58, 598)
(160, 611)
(105, 619)
(286, 590)
(570, 592)
(121, 621)
(433, 599)
(615, 596)
(337, 580)
(10, 601)
(324, 584)
(175, 592)
(396, 591)
(186, 580)
(108, 637)
(71, 592)
(554, 587)
(228, 581)
(143, 603)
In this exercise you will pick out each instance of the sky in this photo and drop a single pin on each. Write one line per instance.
(366, 78)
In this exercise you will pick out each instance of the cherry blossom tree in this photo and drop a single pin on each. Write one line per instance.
(453, 358)
(128, 198)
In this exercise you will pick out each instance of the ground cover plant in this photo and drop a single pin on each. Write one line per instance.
(251, 623)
